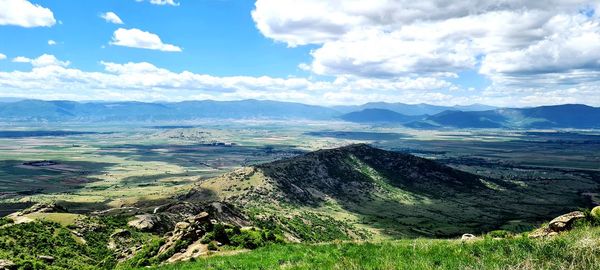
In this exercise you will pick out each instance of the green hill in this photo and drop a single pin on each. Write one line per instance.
(364, 192)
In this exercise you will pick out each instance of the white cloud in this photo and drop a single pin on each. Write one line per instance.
(21, 59)
(2, 56)
(317, 21)
(111, 17)
(42, 61)
(161, 2)
(51, 42)
(574, 45)
(136, 38)
(52, 78)
(24, 13)
(164, 2)
(535, 46)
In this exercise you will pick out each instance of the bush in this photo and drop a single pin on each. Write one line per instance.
(212, 246)
(499, 234)
(209, 236)
(220, 234)
(4, 221)
(594, 216)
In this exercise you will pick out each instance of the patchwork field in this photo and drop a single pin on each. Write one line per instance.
(98, 167)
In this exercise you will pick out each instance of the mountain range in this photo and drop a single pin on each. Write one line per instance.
(415, 116)
(380, 116)
(559, 116)
(37, 110)
(413, 109)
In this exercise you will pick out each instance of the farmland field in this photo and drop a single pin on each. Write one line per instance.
(96, 167)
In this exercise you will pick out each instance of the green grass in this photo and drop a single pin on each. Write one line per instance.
(579, 249)
(64, 219)
(24, 243)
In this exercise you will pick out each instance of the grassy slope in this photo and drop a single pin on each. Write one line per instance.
(579, 249)
(390, 195)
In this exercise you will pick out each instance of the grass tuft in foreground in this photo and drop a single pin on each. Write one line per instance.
(578, 249)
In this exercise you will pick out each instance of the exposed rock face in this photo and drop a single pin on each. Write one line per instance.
(144, 222)
(563, 222)
(226, 213)
(44, 208)
(121, 242)
(7, 265)
(541, 232)
(194, 250)
(467, 236)
(557, 225)
(123, 211)
(40, 208)
(20, 217)
(185, 238)
(47, 259)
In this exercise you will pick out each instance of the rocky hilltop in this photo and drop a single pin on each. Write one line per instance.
(378, 193)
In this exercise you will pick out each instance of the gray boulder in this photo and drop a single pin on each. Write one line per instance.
(468, 236)
(7, 265)
(565, 221)
(145, 222)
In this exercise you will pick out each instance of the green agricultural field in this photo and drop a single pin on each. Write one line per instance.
(112, 166)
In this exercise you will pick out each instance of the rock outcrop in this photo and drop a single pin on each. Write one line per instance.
(565, 221)
(122, 244)
(557, 225)
(21, 216)
(184, 241)
(468, 236)
(145, 223)
(7, 265)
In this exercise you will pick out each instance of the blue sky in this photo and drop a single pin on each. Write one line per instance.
(217, 37)
(328, 52)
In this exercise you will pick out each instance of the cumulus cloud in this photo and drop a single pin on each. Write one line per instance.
(51, 42)
(25, 14)
(574, 45)
(42, 61)
(530, 53)
(2, 56)
(111, 17)
(53, 78)
(162, 2)
(315, 21)
(544, 45)
(136, 38)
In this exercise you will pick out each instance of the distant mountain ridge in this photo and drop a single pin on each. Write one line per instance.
(416, 116)
(379, 116)
(557, 116)
(412, 109)
(37, 110)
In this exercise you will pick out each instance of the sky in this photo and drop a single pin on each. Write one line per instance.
(510, 53)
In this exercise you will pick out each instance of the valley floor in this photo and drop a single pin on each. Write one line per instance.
(578, 249)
